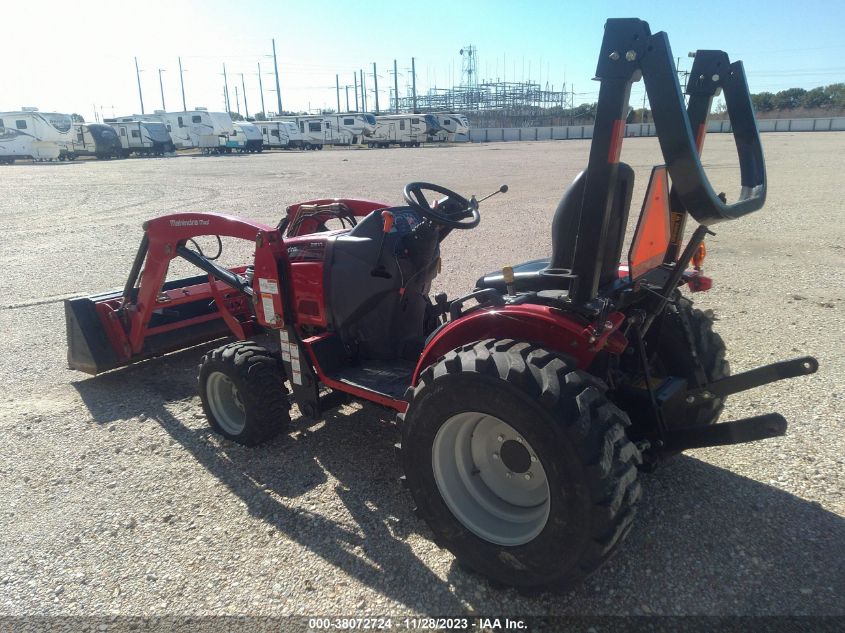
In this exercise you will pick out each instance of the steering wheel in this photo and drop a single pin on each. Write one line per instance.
(456, 212)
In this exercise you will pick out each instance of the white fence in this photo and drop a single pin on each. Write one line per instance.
(560, 133)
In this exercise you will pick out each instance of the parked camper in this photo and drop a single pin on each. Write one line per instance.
(279, 134)
(94, 139)
(212, 132)
(331, 129)
(452, 125)
(405, 130)
(28, 133)
(353, 127)
(251, 136)
(145, 138)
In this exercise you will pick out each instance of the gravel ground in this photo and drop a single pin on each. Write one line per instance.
(117, 498)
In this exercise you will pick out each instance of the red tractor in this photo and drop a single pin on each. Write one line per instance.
(528, 406)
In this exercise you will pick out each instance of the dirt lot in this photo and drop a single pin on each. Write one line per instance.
(117, 499)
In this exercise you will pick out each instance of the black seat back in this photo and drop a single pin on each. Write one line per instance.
(567, 219)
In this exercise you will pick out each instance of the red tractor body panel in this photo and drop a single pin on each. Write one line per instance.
(542, 325)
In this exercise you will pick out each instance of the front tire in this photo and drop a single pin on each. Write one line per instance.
(243, 393)
(519, 464)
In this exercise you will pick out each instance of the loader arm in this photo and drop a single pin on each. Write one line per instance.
(152, 316)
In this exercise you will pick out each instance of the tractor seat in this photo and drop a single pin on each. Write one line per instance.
(527, 278)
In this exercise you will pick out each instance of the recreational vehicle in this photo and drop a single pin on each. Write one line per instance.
(405, 130)
(452, 125)
(250, 135)
(28, 133)
(353, 127)
(331, 129)
(94, 139)
(145, 138)
(211, 132)
(279, 134)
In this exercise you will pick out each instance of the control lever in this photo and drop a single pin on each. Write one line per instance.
(502, 189)
(378, 269)
(442, 305)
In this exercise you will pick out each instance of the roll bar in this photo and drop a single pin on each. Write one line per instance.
(630, 52)
(711, 73)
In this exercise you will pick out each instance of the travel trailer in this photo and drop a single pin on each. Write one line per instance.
(331, 129)
(94, 139)
(142, 137)
(250, 135)
(354, 126)
(405, 130)
(279, 134)
(28, 133)
(211, 132)
(452, 126)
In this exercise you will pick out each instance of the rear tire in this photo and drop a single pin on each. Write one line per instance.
(677, 359)
(243, 393)
(572, 492)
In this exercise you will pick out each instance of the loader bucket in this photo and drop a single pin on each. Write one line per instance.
(99, 341)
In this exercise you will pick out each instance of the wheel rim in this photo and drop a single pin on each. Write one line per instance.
(490, 478)
(225, 403)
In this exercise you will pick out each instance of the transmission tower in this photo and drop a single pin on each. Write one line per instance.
(469, 66)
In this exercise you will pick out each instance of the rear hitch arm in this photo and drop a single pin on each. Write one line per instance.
(754, 378)
(759, 427)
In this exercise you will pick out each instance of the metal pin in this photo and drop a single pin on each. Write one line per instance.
(614, 56)
(501, 438)
(631, 55)
(528, 476)
(495, 456)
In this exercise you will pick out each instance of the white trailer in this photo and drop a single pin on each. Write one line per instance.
(212, 132)
(28, 133)
(452, 125)
(405, 130)
(94, 139)
(353, 127)
(279, 134)
(142, 137)
(250, 135)
(331, 129)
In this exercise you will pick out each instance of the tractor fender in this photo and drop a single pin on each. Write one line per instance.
(545, 326)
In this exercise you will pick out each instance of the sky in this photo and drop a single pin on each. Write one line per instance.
(80, 56)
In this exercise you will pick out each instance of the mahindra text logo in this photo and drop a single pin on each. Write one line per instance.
(189, 222)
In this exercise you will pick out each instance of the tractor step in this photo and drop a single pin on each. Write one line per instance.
(759, 427)
(387, 378)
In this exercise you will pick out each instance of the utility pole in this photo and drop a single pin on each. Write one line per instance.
(355, 77)
(375, 80)
(337, 90)
(182, 82)
(276, 69)
(261, 90)
(237, 100)
(243, 84)
(363, 92)
(642, 118)
(161, 86)
(140, 94)
(347, 97)
(395, 88)
(414, 82)
(226, 89)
